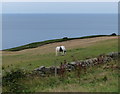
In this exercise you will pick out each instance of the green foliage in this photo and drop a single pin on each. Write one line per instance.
(11, 80)
(113, 34)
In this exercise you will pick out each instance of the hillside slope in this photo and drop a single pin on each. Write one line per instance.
(38, 44)
(45, 55)
(48, 48)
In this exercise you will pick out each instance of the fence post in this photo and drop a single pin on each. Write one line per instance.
(55, 68)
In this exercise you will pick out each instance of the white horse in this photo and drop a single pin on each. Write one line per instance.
(60, 50)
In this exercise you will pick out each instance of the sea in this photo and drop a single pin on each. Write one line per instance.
(21, 29)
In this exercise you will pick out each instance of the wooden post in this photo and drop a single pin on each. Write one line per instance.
(55, 68)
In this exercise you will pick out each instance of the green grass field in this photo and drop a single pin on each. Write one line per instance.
(96, 79)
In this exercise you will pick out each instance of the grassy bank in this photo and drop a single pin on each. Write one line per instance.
(37, 44)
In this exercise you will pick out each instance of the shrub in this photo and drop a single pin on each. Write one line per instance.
(65, 38)
(113, 34)
(11, 81)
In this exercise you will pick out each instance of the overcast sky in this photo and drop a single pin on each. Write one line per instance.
(60, 0)
(60, 7)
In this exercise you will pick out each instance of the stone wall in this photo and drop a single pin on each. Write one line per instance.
(82, 64)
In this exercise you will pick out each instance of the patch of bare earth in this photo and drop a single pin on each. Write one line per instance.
(49, 48)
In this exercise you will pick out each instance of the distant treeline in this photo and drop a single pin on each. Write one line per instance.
(37, 44)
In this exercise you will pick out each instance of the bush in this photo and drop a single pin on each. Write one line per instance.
(65, 38)
(13, 75)
(11, 81)
(113, 34)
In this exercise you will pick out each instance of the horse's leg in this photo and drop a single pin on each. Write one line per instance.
(59, 53)
(56, 53)
(63, 53)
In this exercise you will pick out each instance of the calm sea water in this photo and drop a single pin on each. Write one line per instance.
(20, 29)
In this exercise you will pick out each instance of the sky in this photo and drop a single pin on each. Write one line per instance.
(60, 0)
(59, 7)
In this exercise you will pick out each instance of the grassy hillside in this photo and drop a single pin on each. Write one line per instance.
(97, 79)
(31, 60)
(37, 44)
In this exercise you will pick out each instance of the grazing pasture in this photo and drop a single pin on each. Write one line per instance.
(97, 79)
(45, 55)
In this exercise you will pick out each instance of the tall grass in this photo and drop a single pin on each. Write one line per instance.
(97, 79)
